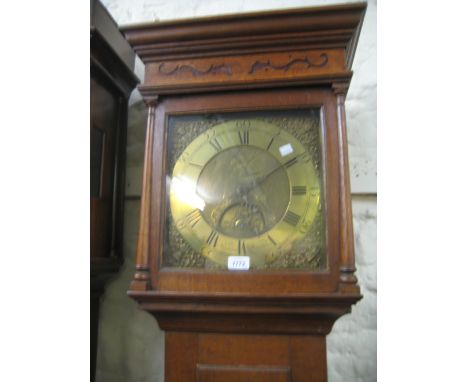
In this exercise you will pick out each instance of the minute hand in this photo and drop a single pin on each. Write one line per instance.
(257, 182)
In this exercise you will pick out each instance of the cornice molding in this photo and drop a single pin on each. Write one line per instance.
(335, 26)
(149, 92)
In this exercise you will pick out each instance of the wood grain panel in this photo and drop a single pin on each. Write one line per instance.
(232, 349)
(211, 373)
(180, 356)
(308, 358)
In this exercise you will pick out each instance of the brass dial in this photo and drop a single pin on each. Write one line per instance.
(244, 187)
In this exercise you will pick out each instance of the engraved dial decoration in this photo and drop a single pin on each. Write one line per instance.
(245, 187)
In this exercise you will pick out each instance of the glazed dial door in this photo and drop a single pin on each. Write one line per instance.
(245, 186)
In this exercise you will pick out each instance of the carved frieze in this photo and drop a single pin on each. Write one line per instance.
(258, 65)
(245, 70)
(212, 69)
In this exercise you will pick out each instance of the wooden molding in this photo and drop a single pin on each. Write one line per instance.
(292, 314)
(148, 92)
(340, 87)
(210, 373)
(266, 49)
(315, 27)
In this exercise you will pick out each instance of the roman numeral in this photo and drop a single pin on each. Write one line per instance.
(244, 137)
(191, 219)
(213, 238)
(292, 218)
(299, 190)
(241, 248)
(269, 144)
(272, 241)
(303, 158)
(215, 144)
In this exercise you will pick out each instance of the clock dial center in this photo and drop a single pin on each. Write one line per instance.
(246, 191)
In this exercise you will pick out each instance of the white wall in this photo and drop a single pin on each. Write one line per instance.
(131, 346)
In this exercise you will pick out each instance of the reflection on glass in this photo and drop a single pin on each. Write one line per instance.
(185, 191)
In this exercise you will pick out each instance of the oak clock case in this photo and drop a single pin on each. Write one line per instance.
(246, 157)
(242, 184)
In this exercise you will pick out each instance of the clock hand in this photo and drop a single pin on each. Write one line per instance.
(257, 182)
(241, 191)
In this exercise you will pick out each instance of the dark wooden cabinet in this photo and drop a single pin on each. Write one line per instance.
(267, 323)
(112, 80)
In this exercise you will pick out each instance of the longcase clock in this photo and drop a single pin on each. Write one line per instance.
(245, 252)
(112, 80)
